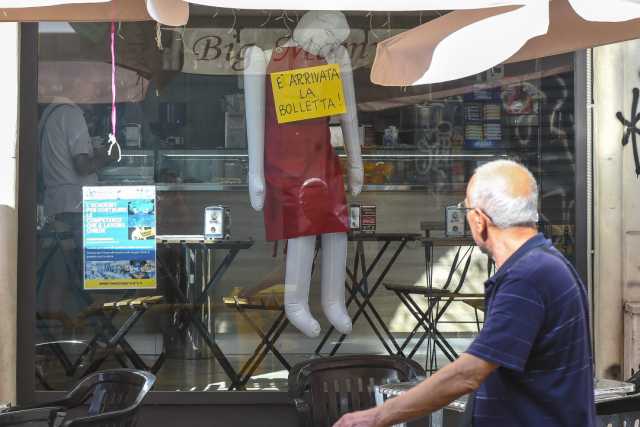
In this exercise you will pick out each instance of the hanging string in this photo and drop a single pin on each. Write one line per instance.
(113, 142)
(284, 17)
(267, 20)
(371, 30)
(159, 36)
(215, 15)
(235, 21)
(387, 23)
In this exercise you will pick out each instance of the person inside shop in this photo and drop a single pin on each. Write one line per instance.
(531, 365)
(68, 161)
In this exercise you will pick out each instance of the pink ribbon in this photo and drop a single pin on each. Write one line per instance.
(112, 136)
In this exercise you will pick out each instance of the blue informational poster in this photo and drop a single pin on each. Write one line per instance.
(119, 232)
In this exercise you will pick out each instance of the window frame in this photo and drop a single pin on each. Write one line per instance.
(27, 242)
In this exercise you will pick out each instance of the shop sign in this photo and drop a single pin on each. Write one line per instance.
(220, 51)
(119, 234)
(308, 93)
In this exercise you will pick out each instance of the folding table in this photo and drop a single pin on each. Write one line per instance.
(197, 247)
(360, 276)
(438, 298)
(104, 328)
(269, 302)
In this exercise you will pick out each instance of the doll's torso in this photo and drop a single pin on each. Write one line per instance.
(305, 187)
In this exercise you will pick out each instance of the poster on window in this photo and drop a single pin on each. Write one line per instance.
(119, 235)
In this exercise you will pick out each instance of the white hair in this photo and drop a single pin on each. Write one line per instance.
(491, 194)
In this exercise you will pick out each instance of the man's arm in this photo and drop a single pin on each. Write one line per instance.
(460, 377)
(84, 164)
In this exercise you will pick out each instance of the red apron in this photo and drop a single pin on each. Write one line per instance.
(304, 183)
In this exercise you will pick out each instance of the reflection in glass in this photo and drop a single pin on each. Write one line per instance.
(181, 123)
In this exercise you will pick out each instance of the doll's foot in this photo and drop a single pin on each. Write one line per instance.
(340, 319)
(303, 320)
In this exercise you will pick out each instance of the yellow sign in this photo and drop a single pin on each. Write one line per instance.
(308, 93)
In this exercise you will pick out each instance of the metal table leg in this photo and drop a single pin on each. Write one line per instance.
(366, 302)
(356, 288)
(267, 344)
(200, 327)
(117, 340)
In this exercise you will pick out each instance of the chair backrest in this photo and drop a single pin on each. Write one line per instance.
(35, 417)
(118, 392)
(335, 386)
(619, 412)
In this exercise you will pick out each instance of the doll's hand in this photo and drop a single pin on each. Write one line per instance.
(256, 191)
(356, 179)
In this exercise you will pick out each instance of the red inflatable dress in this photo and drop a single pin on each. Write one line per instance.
(304, 193)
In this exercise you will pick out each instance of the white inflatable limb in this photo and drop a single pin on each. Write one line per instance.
(296, 285)
(349, 124)
(254, 96)
(334, 265)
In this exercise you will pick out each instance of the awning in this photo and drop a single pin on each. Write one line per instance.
(176, 12)
(477, 35)
(466, 42)
(56, 79)
(73, 10)
(136, 49)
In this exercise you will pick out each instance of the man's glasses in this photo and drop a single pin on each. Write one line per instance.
(462, 206)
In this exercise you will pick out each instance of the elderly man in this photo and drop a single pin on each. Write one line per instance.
(531, 365)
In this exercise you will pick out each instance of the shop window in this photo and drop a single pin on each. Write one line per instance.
(182, 127)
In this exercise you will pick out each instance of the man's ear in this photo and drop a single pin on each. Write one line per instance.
(479, 223)
(483, 224)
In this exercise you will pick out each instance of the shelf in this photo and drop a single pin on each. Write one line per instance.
(205, 186)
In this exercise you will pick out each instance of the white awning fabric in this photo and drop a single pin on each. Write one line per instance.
(176, 12)
(73, 10)
(465, 42)
(475, 36)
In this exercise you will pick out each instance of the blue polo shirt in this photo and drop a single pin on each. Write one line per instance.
(537, 331)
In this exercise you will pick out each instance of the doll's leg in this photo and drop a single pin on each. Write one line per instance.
(296, 285)
(334, 265)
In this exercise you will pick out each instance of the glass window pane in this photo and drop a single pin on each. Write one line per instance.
(181, 124)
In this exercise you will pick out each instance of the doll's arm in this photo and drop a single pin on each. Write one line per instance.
(349, 123)
(254, 96)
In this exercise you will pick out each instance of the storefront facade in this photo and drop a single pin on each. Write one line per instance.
(181, 113)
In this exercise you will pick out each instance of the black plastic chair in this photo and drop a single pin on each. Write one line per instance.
(325, 389)
(619, 412)
(36, 417)
(112, 398)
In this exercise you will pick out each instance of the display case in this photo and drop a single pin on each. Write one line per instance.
(208, 170)
(386, 169)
